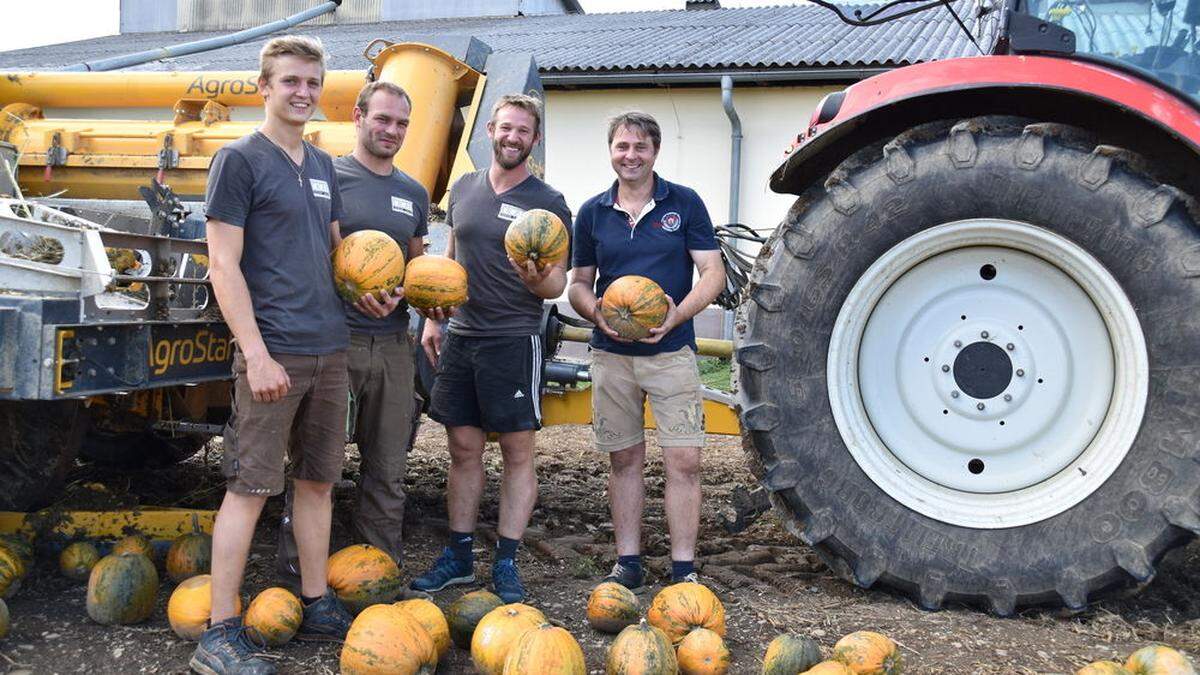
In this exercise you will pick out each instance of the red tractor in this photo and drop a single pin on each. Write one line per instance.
(969, 357)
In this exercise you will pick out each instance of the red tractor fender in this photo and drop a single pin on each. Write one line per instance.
(1119, 106)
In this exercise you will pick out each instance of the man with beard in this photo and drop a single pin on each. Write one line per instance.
(489, 365)
(378, 196)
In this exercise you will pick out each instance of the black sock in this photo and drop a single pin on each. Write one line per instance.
(682, 568)
(633, 562)
(308, 601)
(461, 544)
(506, 549)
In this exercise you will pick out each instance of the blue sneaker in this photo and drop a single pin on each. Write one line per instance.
(633, 578)
(447, 570)
(506, 582)
(226, 648)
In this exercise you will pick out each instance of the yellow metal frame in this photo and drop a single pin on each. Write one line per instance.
(61, 385)
(155, 523)
(574, 406)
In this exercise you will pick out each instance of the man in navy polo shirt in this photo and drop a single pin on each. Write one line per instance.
(651, 227)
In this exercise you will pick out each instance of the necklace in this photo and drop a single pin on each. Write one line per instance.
(299, 169)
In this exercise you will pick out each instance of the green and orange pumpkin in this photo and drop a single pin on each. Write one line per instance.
(5, 622)
(868, 653)
(274, 616)
(641, 649)
(431, 617)
(363, 575)
(632, 305)
(498, 632)
(19, 545)
(829, 668)
(1159, 660)
(385, 639)
(367, 261)
(435, 281)
(190, 606)
(464, 614)
(679, 608)
(545, 650)
(1103, 668)
(12, 570)
(135, 543)
(611, 607)
(539, 236)
(122, 589)
(702, 652)
(190, 554)
(77, 560)
(790, 654)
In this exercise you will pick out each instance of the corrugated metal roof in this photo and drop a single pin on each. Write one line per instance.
(762, 37)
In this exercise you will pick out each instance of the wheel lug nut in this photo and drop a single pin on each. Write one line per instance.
(958, 343)
(1010, 346)
(1008, 397)
(984, 335)
(979, 406)
(945, 368)
(954, 394)
(1020, 372)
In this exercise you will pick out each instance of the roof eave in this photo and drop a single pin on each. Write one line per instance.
(567, 79)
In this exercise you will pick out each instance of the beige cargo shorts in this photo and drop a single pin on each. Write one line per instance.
(620, 386)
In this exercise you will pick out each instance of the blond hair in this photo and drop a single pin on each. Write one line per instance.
(529, 104)
(303, 46)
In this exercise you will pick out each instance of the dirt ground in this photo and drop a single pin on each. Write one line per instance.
(769, 582)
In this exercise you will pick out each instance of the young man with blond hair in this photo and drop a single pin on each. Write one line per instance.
(489, 365)
(273, 207)
(648, 226)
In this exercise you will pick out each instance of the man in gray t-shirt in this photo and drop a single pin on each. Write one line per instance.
(375, 195)
(489, 367)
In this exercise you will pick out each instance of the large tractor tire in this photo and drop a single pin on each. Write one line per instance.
(970, 366)
(39, 441)
(134, 450)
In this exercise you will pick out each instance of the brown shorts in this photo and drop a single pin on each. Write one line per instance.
(620, 386)
(308, 425)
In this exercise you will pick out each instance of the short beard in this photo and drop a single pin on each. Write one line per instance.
(498, 156)
(376, 150)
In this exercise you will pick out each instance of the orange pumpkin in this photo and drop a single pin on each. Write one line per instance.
(12, 570)
(464, 614)
(612, 607)
(384, 639)
(190, 554)
(363, 575)
(641, 650)
(122, 589)
(190, 607)
(632, 305)
(868, 653)
(134, 543)
(829, 668)
(1103, 668)
(367, 261)
(537, 235)
(545, 650)
(679, 608)
(702, 652)
(498, 632)
(274, 616)
(19, 545)
(790, 654)
(435, 281)
(5, 624)
(77, 560)
(432, 619)
(1159, 660)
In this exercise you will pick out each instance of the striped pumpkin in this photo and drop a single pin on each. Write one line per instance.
(77, 560)
(4, 620)
(135, 543)
(790, 654)
(1103, 668)
(829, 668)
(612, 607)
(641, 650)
(498, 632)
(363, 575)
(545, 650)
(122, 589)
(190, 554)
(274, 616)
(384, 639)
(868, 653)
(367, 261)
(679, 608)
(435, 281)
(537, 235)
(465, 613)
(432, 619)
(190, 607)
(12, 570)
(632, 305)
(1159, 660)
(19, 545)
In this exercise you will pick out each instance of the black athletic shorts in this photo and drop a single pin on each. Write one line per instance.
(493, 383)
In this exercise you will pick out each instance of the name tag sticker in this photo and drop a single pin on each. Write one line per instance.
(319, 188)
(402, 205)
(509, 212)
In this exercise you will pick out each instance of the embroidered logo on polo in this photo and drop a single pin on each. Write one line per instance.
(319, 188)
(402, 205)
(671, 221)
(509, 212)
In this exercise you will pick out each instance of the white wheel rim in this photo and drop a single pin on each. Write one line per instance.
(928, 433)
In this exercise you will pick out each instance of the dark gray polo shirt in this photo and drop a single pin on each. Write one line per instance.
(395, 204)
(254, 185)
(499, 304)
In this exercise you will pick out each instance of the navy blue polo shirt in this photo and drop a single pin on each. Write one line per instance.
(655, 247)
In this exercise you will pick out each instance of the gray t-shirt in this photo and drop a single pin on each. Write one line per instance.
(499, 303)
(285, 215)
(395, 204)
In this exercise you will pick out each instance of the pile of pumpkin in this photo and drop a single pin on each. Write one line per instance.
(16, 557)
(1151, 660)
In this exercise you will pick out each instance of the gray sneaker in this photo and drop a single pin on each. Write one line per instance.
(633, 578)
(225, 649)
(326, 620)
(690, 577)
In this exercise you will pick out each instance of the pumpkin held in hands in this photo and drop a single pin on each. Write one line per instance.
(367, 261)
(435, 281)
(537, 235)
(632, 305)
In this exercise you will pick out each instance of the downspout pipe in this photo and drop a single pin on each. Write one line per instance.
(735, 173)
(205, 45)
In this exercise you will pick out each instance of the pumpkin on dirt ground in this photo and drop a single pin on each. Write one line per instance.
(274, 616)
(122, 589)
(641, 649)
(611, 607)
(12, 570)
(1159, 660)
(790, 654)
(135, 543)
(5, 624)
(77, 560)
(632, 305)
(190, 554)
(464, 614)
(432, 619)
(190, 607)
(19, 545)
(1103, 668)
(363, 575)
(546, 650)
(702, 652)
(367, 261)
(829, 668)
(537, 235)
(435, 281)
(498, 632)
(679, 608)
(868, 653)
(385, 639)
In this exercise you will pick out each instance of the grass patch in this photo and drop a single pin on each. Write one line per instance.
(715, 372)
